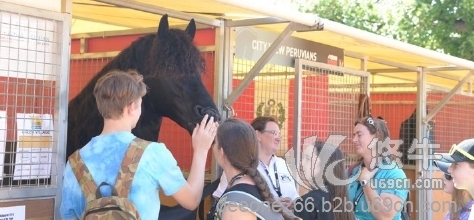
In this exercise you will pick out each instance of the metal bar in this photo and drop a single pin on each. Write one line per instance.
(380, 61)
(446, 68)
(106, 21)
(388, 85)
(395, 77)
(334, 68)
(268, 74)
(258, 66)
(130, 32)
(115, 53)
(398, 85)
(443, 75)
(255, 21)
(298, 91)
(27, 192)
(161, 11)
(434, 73)
(61, 103)
(25, 10)
(83, 46)
(103, 34)
(420, 131)
(460, 103)
(448, 97)
(389, 70)
(66, 6)
(220, 57)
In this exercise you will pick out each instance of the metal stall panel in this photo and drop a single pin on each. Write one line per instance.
(326, 106)
(396, 103)
(34, 50)
(450, 125)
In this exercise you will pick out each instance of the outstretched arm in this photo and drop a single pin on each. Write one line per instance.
(189, 196)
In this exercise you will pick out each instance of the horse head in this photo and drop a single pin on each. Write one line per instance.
(171, 66)
(173, 75)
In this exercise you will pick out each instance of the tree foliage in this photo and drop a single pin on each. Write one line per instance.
(443, 25)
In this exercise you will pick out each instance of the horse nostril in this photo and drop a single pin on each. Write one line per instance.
(198, 110)
(201, 111)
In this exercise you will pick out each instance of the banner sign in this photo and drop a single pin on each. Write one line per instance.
(251, 43)
(35, 146)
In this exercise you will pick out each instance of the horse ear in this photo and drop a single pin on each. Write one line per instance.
(164, 27)
(191, 28)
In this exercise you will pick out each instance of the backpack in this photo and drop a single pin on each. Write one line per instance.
(117, 206)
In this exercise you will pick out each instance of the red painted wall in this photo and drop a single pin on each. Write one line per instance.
(314, 109)
(244, 106)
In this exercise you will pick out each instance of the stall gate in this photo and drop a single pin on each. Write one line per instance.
(327, 106)
(34, 62)
(397, 104)
(310, 99)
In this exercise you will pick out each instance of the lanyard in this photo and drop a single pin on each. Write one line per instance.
(277, 187)
(360, 195)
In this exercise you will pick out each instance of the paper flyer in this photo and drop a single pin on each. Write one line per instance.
(27, 47)
(13, 213)
(34, 146)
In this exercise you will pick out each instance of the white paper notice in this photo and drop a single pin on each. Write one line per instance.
(3, 129)
(34, 146)
(27, 46)
(12, 213)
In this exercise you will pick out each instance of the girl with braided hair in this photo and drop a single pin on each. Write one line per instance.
(236, 151)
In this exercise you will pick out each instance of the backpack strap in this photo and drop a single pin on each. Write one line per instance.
(257, 207)
(84, 178)
(129, 166)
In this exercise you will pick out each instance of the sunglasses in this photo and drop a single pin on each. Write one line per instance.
(371, 121)
(455, 148)
(448, 177)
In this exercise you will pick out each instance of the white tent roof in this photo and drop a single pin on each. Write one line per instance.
(95, 16)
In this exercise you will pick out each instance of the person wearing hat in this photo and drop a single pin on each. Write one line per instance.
(461, 157)
(462, 199)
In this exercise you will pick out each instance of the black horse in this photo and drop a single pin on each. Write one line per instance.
(172, 66)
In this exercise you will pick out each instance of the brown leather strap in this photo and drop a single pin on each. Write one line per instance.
(364, 106)
(83, 176)
(129, 166)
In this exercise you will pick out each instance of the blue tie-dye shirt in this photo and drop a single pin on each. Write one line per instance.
(103, 155)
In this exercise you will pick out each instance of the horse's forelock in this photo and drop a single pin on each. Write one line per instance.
(175, 56)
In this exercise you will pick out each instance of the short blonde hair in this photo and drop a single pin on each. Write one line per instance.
(117, 89)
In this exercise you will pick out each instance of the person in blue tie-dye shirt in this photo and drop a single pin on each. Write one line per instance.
(119, 95)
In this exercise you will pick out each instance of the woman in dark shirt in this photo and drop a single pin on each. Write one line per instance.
(322, 166)
(236, 151)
